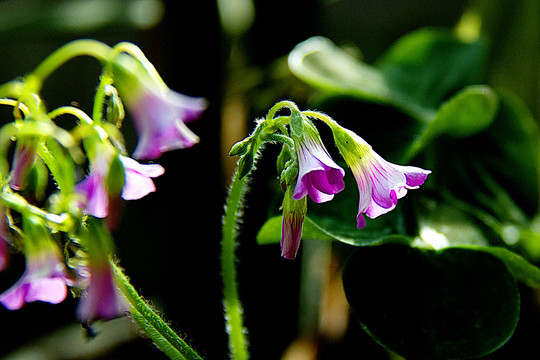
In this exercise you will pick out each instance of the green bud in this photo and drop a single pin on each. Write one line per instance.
(297, 123)
(283, 157)
(240, 148)
(245, 164)
(115, 112)
(290, 173)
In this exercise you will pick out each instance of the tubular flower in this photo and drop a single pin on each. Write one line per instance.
(4, 239)
(318, 175)
(136, 183)
(380, 183)
(101, 299)
(159, 114)
(294, 213)
(45, 278)
(23, 160)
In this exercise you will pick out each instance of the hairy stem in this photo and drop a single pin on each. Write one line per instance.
(152, 324)
(231, 302)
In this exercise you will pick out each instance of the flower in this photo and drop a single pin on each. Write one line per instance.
(158, 113)
(23, 160)
(380, 183)
(4, 239)
(101, 299)
(45, 278)
(318, 175)
(294, 212)
(138, 181)
(136, 184)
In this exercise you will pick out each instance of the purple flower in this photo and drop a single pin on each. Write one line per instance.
(137, 183)
(380, 183)
(45, 278)
(318, 175)
(294, 213)
(159, 118)
(158, 113)
(101, 299)
(4, 239)
(23, 160)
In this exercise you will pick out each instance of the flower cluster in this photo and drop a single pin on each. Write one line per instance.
(65, 232)
(307, 170)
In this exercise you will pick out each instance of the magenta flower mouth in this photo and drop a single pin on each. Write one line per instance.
(318, 175)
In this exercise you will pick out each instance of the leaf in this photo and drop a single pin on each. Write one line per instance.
(320, 63)
(470, 111)
(416, 74)
(270, 233)
(429, 64)
(521, 269)
(451, 304)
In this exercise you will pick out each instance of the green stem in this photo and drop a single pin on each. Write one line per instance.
(232, 306)
(152, 324)
(67, 52)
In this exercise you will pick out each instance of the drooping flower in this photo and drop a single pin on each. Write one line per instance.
(134, 178)
(23, 160)
(101, 299)
(159, 114)
(380, 183)
(294, 213)
(318, 175)
(4, 239)
(45, 278)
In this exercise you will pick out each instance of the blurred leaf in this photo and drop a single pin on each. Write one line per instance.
(451, 304)
(470, 111)
(270, 232)
(415, 75)
(322, 64)
(429, 64)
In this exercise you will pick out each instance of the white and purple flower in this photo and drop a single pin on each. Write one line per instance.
(318, 175)
(159, 114)
(45, 278)
(380, 183)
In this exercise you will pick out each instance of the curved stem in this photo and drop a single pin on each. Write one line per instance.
(231, 302)
(153, 325)
(69, 51)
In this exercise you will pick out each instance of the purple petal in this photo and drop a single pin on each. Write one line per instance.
(95, 193)
(138, 181)
(318, 175)
(101, 300)
(159, 120)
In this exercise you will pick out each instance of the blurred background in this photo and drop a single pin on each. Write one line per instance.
(232, 52)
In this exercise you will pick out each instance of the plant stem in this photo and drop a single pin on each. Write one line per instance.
(152, 324)
(231, 302)
(67, 52)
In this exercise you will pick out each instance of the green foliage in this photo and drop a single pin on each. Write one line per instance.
(483, 147)
(422, 304)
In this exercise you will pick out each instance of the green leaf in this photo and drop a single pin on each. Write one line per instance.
(429, 64)
(521, 269)
(322, 64)
(416, 74)
(470, 111)
(270, 232)
(451, 304)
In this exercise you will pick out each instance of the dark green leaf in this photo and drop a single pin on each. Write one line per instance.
(450, 304)
(429, 64)
(522, 270)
